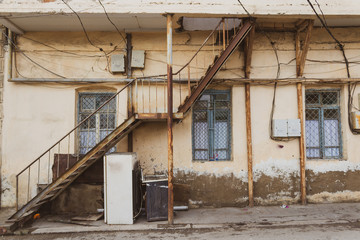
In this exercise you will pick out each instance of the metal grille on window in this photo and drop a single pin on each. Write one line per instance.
(322, 125)
(97, 127)
(211, 126)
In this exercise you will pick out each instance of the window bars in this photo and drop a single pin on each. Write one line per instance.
(98, 126)
(322, 124)
(212, 126)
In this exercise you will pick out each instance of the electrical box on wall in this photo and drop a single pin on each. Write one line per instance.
(117, 63)
(282, 128)
(138, 59)
(356, 120)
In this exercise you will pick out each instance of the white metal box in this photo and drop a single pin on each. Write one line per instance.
(294, 127)
(118, 188)
(286, 128)
(356, 120)
(279, 127)
(117, 63)
(138, 59)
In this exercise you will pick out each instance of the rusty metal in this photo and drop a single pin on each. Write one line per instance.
(136, 104)
(130, 107)
(224, 40)
(156, 97)
(17, 193)
(68, 160)
(301, 64)
(189, 88)
(76, 127)
(169, 120)
(202, 45)
(301, 143)
(68, 177)
(149, 97)
(49, 166)
(165, 96)
(179, 89)
(158, 116)
(216, 67)
(249, 145)
(128, 54)
(143, 97)
(39, 171)
(28, 188)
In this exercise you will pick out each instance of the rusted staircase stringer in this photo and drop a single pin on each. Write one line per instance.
(123, 129)
(239, 37)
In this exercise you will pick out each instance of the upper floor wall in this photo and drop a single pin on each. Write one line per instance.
(220, 7)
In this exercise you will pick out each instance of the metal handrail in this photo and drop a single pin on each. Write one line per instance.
(59, 141)
(48, 151)
(92, 114)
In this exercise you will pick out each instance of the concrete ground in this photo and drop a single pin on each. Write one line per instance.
(333, 219)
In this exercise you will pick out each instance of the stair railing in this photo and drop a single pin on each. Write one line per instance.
(149, 93)
(148, 96)
(93, 127)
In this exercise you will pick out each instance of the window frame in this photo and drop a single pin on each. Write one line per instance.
(211, 126)
(97, 128)
(321, 107)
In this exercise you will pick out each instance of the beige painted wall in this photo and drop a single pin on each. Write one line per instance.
(36, 115)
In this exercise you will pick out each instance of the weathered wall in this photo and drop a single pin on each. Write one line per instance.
(260, 7)
(219, 183)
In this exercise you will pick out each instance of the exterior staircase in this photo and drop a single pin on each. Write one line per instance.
(54, 188)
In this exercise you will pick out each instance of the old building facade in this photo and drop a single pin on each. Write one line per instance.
(62, 70)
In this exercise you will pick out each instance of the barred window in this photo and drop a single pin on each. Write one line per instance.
(212, 126)
(322, 124)
(97, 127)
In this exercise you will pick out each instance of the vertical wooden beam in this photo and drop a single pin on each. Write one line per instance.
(224, 40)
(301, 143)
(297, 52)
(129, 92)
(169, 120)
(304, 51)
(249, 145)
(248, 51)
(300, 65)
(248, 46)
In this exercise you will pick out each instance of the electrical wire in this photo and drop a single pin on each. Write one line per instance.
(112, 21)
(277, 74)
(31, 60)
(59, 50)
(351, 87)
(87, 36)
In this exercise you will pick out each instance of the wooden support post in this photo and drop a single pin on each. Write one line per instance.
(130, 91)
(248, 46)
(224, 40)
(169, 120)
(249, 43)
(300, 65)
(301, 54)
(249, 145)
(301, 143)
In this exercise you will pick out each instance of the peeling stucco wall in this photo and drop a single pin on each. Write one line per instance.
(219, 183)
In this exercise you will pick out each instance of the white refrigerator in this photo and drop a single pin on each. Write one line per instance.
(118, 187)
